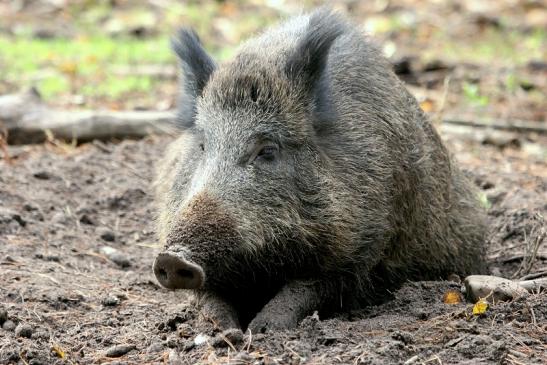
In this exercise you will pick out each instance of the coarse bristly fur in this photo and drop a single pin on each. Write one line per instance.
(357, 195)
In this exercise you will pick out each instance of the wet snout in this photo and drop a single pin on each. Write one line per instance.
(175, 272)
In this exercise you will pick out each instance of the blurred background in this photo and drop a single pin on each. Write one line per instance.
(464, 58)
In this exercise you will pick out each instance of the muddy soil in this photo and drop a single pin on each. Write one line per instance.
(76, 286)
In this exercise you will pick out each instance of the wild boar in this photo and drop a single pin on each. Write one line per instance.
(306, 177)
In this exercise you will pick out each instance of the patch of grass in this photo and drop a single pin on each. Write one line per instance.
(494, 46)
(483, 199)
(56, 66)
(473, 95)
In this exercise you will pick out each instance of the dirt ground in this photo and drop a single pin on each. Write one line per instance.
(77, 244)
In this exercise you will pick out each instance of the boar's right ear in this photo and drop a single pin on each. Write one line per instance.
(197, 67)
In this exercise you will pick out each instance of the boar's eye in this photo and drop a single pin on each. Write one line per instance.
(267, 153)
(201, 147)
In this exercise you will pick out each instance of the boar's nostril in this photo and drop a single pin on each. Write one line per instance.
(162, 273)
(175, 272)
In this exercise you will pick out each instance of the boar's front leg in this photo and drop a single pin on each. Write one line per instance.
(217, 310)
(292, 303)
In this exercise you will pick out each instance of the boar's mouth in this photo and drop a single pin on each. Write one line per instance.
(175, 272)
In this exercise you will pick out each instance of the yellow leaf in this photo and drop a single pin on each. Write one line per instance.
(427, 105)
(452, 297)
(68, 67)
(90, 59)
(480, 307)
(58, 351)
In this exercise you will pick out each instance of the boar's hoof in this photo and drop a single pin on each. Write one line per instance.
(174, 272)
(267, 322)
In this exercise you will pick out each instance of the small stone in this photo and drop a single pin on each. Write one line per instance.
(242, 358)
(41, 335)
(201, 339)
(174, 358)
(37, 362)
(106, 234)
(59, 218)
(403, 336)
(116, 256)
(111, 301)
(119, 350)
(155, 347)
(188, 345)
(23, 330)
(8, 325)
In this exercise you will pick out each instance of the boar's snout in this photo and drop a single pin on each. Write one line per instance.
(175, 272)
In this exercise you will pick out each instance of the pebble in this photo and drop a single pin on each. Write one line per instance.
(116, 256)
(201, 339)
(188, 345)
(8, 325)
(155, 347)
(111, 301)
(119, 350)
(106, 234)
(23, 330)
(41, 334)
(242, 358)
(174, 358)
(59, 218)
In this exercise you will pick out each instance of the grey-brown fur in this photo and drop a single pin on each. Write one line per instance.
(361, 193)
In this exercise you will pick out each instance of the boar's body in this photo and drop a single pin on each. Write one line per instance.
(306, 177)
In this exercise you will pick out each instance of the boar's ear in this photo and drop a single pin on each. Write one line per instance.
(197, 67)
(306, 63)
(305, 66)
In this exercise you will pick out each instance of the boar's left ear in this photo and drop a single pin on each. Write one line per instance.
(306, 63)
(197, 67)
(305, 67)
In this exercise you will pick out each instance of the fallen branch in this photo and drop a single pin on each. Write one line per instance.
(494, 288)
(509, 125)
(535, 275)
(26, 119)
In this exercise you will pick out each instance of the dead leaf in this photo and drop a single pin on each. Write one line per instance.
(480, 307)
(452, 297)
(58, 351)
(68, 67)
(427, 105)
